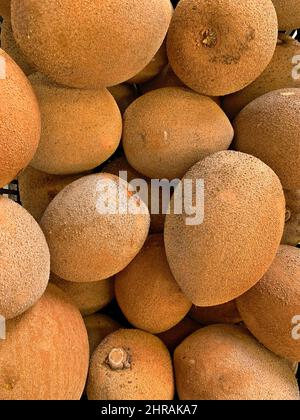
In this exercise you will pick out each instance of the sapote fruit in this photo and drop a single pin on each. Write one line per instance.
(288, 12)
(98, 327)
(5, 8)
(291, 235)
(221, 314)
(175, 335)
(124, 95)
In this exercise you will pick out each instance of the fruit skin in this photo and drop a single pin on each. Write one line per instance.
(251, 372)
(177, 124)
(291, 234)
(269, 308)
(224, 314)
(77, 231)
(288, 12)
(276, 76)
(20, 126)
(245, 201)
(167, 78)
(147, 373)
(5, 8)
(219, 47)
(24, 260)
(98, 327)
(268, 128)
(174, 336)
(92, 127)
(147, 292)
(124, 95)
(65, 46)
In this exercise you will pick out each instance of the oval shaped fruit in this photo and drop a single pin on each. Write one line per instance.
(65, 46)
(268, 128)
(270, 309)
(98, 327)
(288, 13)
(131, 365)
(231, 365)
(147, 292)
(24, 260)
(45, 354)
(217, 48)
(176, 125)
(20, 126)
(222, 314)
(291, 235)
(90, 234)
(219, 259)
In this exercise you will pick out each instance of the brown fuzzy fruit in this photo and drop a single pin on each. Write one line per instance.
(90, 44)
(24, 260)
(174, 336)
(291, 234)
(147, 292)
(176, 125)
(268, 128)
(88, 239)
(98, 327)
(222, 314)
(216, 261)
(5, 8)
(131, 365)
(268, 309)
(80, 128)
(46, 352)
(124, 95)
(20, 126)
(231, 365)
(288, 12)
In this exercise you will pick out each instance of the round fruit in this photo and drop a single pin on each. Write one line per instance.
(124, 94)
(174, 336)
(288, 12)
(98, 327)
(221, 314)
(291, 234)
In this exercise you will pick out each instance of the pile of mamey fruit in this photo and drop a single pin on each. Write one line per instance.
(132, 304)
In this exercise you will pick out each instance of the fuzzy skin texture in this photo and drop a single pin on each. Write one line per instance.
(85, 244)
(291, 235)
(179, 126)
(90, 44)
(149, 375)
(222, 314)
(24, 260)
(231, 365)
(269, 307)
(5, 8)
(276, 76)
(244, 210)
(174, 336)
(98, 327)
(219, 47)
(45, 355)
(124, 95)
(20, 126)
(147, 292)
(288, 12)
(167, 78)
(80, 128)
(268, 128)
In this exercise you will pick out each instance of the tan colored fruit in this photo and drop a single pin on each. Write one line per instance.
(45, 354)
(98, 327)
(124, 95)
(90, 44)
(288, 12)
(167, 78)
(131, 365)
(270, 308)
(5, 8)
(147, 292)
(80, 128)
(217, 48)
(268, 128)
(291, 234)
(24, 260)
(216, 261)
(168, 130)
(173, 337)
(277, 75)
(87, 241)
(20, 126)
(87, 297)
(231, 365)
(221, 314)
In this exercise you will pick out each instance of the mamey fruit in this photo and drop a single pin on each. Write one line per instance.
(270, 308)
(80, 128)
(268, 128)
(288, 12)
(217, 48)
(131, 365)
(65, 46)
(291, 234)
(174, 336)
(124, 95)
(45, 354)
(241, 230)
(231, 365)
(98, 327)
(88, 236)
(24, 260)
(221, 314)
(180, 126)
(147, 292)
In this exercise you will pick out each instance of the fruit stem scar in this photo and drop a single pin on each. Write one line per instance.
(118, 359)
(209, 38)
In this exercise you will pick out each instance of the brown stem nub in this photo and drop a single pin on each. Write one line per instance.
(118, 359)
(209, 38)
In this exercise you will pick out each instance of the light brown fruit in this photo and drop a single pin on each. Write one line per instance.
(291, 235)
(168, 130)
(288, 13)
(167, 78)
(231, 365)
(221, 314)
(98, 327)
(131, 365)
(20, 126)
(268, 128)
(87, 297)
(45, 354)
(124, 95)
(87, 241)
(80, 128)
(269, 309)
(24, 260)
(173, 337)
(147, 292)
(5, 8)
(219, 47)
(216, 261)
(90, 44)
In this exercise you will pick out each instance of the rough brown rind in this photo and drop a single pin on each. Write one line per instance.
(124, 95)
(173, 337)
(98, 327)
(222, 314)
(288, 12)
(5, 8)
